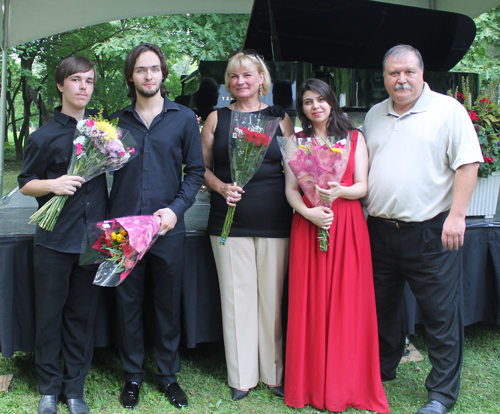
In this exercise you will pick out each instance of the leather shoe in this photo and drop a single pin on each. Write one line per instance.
(279, 391)
(48, 404)
(433, 407)
(77, 406)
(177, 395)
(237, 395)
(130, 395)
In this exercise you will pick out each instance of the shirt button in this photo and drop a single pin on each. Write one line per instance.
(147, 152)
(146, 169)
(144, 206)
(145, 188)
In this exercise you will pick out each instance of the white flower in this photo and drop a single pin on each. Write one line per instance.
(80, 140)
(81, 124)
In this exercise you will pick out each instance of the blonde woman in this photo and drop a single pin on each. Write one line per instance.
(253, 263)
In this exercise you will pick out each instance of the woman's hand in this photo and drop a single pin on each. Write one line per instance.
(330, 195)
(232, 193)
(320, 216)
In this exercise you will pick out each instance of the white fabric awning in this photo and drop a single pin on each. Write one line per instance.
(27, 20)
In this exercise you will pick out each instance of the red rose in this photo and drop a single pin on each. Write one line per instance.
(266, 140)
(248, 136)
(460, 95)
(257, 139)
(128, 251)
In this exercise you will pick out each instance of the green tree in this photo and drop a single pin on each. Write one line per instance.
(185, 40)
(483, 55)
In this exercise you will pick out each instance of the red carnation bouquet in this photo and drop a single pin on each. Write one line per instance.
(316, 161)
(118, 245)
(249, 137)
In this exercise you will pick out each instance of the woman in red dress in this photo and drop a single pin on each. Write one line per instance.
(332, 356)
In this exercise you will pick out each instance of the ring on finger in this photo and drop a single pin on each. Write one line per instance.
(228, 199)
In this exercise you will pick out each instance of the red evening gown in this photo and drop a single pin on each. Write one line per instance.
(332, 358)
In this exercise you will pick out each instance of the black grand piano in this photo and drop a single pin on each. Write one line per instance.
(342, 42)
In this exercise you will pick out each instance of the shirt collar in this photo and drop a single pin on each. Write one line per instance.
(420, 106)
(168, 105)
(65, 119)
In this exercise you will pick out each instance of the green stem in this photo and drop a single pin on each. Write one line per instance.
(48, 214)
(323, 236)
(227, 225)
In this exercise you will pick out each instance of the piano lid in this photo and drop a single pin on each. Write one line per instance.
(356, 33)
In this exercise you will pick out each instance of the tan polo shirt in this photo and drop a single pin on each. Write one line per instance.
(413, 157)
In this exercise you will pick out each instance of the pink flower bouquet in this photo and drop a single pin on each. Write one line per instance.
(315, 161)
(118, 245)
(249, 139)
(99, 146)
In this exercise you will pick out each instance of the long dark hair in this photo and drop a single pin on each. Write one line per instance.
(338, 124)
(130, 63)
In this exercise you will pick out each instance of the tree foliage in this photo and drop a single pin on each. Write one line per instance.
(483, 55)
(185, 40)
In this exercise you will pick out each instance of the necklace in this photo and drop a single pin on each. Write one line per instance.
(149, 119)
(257, 128)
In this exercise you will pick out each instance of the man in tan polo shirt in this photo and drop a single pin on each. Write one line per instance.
(424, 155)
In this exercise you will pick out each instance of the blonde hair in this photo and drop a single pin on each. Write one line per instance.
(245, 60)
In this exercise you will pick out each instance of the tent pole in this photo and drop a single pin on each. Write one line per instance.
(3, 93)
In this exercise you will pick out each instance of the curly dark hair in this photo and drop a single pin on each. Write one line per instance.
(338, 124)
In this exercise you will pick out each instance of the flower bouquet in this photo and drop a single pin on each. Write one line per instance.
(485, 117)
(249, 138)
(99, 146)
(118, 245)
(315, 161)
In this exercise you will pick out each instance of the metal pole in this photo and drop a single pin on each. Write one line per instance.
(3, 92)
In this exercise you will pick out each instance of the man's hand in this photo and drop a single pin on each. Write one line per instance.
(453, 233)
(168, 220)
(66, 184)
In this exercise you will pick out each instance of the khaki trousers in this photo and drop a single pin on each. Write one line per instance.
(251, 272)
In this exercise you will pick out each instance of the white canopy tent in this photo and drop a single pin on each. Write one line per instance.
(28, 20)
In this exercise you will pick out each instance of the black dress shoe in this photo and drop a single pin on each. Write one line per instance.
(77, 406)
(237, 395)
(130, 395)
(177, 395)
(48, 404)
(433, 407)
(279, 391)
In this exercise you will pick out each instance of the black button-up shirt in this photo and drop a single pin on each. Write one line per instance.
(47, 156)
(153, 180)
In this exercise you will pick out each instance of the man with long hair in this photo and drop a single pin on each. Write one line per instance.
(168, 138)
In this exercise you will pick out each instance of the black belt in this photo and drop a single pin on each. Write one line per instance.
(395, 223)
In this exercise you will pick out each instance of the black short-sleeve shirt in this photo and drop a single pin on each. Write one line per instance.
(47, 156)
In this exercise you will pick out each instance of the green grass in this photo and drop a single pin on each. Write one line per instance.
(203, 376)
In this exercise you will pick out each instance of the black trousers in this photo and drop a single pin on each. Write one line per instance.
(414, 253)
(164, 262)
(66, 303)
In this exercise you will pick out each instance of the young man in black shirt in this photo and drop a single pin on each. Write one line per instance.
(168, 138)
(65, 298)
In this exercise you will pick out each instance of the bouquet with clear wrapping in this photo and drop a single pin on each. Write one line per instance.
(99, 146)
(118, 245)
(249, 137)
(316, 161)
